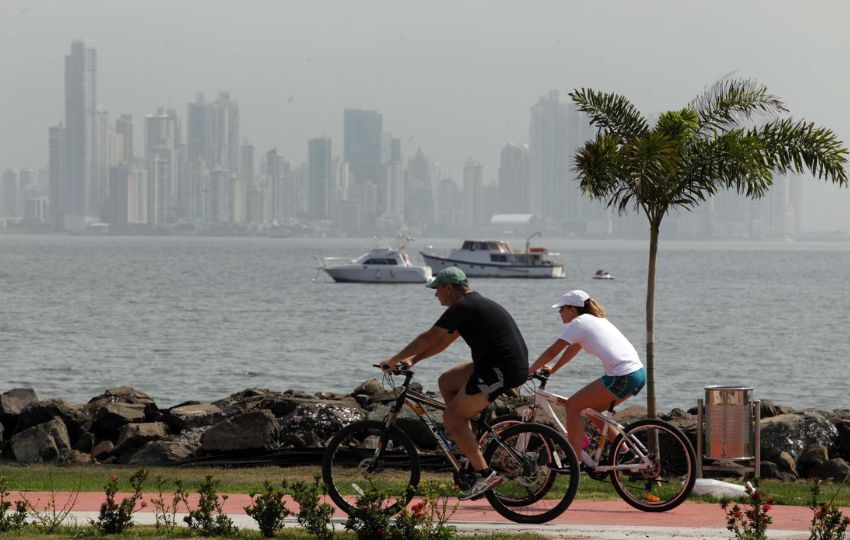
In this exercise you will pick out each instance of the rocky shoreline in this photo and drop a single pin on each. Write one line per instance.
(257, 426)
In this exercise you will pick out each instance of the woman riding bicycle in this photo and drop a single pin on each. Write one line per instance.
(587, 328)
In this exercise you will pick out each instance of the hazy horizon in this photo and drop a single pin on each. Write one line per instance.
(454, 79)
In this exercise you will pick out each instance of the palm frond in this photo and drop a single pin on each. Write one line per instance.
(798, 145)
(611, 113)
(732, 160)
(729, 101)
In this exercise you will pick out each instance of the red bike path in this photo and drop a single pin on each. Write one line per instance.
(581, 512)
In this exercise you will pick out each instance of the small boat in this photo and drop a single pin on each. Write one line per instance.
(378, 265)
(602, 274)
(496, 258)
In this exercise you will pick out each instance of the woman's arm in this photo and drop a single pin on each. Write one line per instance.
(550, 353)
(568, 355)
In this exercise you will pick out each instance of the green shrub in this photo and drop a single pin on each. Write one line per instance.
(313, 515)
(208, 518)
(268, 509)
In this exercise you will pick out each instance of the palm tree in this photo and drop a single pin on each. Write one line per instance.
(689, 155)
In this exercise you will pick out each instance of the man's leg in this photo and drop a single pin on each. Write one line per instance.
(454, 380)
(460, 409)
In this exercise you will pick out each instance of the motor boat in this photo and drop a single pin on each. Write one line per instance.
(378, 265)
(602, 274)
(496, 258)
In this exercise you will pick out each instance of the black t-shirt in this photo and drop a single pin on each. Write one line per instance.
(489, 330)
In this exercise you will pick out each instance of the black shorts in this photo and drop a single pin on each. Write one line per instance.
(494, 381)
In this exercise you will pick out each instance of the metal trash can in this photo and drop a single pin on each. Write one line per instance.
(729, 422)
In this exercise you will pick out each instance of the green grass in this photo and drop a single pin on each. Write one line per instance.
(247, 480)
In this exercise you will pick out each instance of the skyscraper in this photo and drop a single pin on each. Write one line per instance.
(473, 200)
(319, 178)
(362, 144)
(514, 180)
(79, 199)
(162, 137)
(57, 161)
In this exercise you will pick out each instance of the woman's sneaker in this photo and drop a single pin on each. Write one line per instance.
(484, 482)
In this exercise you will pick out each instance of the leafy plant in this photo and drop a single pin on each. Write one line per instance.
(436, 509)
(165, 512)
(115, 518)
(828, 523)
(268, 509)
(16, 520)
(750, 521)
(369, 518)
(208, 518)
(313, 515)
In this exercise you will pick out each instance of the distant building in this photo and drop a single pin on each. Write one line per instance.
(473, 194)
(514, 180)
(80, 205)
(319, 178)
(362, 144)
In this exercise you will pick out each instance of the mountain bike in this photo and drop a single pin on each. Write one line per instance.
(650, 462)
(540, 468)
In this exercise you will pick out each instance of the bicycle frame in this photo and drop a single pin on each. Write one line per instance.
(417, 402)
(542, 401)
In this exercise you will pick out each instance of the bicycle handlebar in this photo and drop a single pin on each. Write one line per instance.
(398, 369)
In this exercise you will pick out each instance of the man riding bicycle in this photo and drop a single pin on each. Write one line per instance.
(499, 363)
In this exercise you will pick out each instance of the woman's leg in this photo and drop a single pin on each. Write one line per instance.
(593, 396)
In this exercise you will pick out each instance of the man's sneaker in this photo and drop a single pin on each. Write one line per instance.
(483, 484)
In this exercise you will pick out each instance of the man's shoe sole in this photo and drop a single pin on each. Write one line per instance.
(493, 485)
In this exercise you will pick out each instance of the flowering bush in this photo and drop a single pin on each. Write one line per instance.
(114, 517)
(750, 521)
(828, 523)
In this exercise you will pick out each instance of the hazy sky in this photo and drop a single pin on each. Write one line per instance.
(454, 77)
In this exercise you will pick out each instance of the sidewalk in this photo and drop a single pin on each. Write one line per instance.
(587, 520)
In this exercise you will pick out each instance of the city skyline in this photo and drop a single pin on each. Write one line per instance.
(172, 68)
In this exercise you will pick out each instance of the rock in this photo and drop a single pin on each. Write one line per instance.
(128, 395)
(630, 414)
(250, 431)
(793, 432)
(322, 418)
(85, 442)
(280, 404)
(110, 416)
(102, 450)
(833, 469)
(193, 416)
(409, 423)
(369, 388)
(47, 441)
(14, 401)
(786, 463)
(768, 410)
(78, 457)
(133, 435)
(158, 453)
(39, 412)
(843, 439)
(770, 469)
(811, 458)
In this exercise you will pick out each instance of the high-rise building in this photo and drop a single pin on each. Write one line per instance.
(248, 175)
(57, 161)
(11, 194)
(162, 138)
(80, 204)
(124, 127)
(473, 197)
(419, 192)
(319, 178)
(514, 180)
(362, 144)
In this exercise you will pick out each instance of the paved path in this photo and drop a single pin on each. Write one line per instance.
(584, 519)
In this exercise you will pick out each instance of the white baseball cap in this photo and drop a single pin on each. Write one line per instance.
(574, 298)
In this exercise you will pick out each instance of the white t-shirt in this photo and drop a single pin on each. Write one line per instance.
(600, 338)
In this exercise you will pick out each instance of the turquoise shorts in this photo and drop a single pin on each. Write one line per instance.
(625, 386)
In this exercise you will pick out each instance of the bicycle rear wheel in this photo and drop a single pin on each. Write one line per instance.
(540, 469)
(353, 465)
(668, 481)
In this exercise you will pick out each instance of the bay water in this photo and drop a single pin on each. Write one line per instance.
(198, 318)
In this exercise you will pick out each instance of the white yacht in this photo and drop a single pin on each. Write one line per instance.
(378, 265)
(496, 258)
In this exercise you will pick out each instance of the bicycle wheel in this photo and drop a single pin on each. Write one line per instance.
(540, 469)
(353, 464)
(668, 481)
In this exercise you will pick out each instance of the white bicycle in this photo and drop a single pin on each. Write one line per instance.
(651, 463)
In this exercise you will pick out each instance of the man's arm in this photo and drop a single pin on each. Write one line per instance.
(438, 347)
(421, 343)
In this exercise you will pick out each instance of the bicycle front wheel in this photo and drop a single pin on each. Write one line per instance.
(669, 477)
(540, 469)
(365, 455)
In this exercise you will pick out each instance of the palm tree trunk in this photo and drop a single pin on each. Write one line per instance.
(654, 229)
